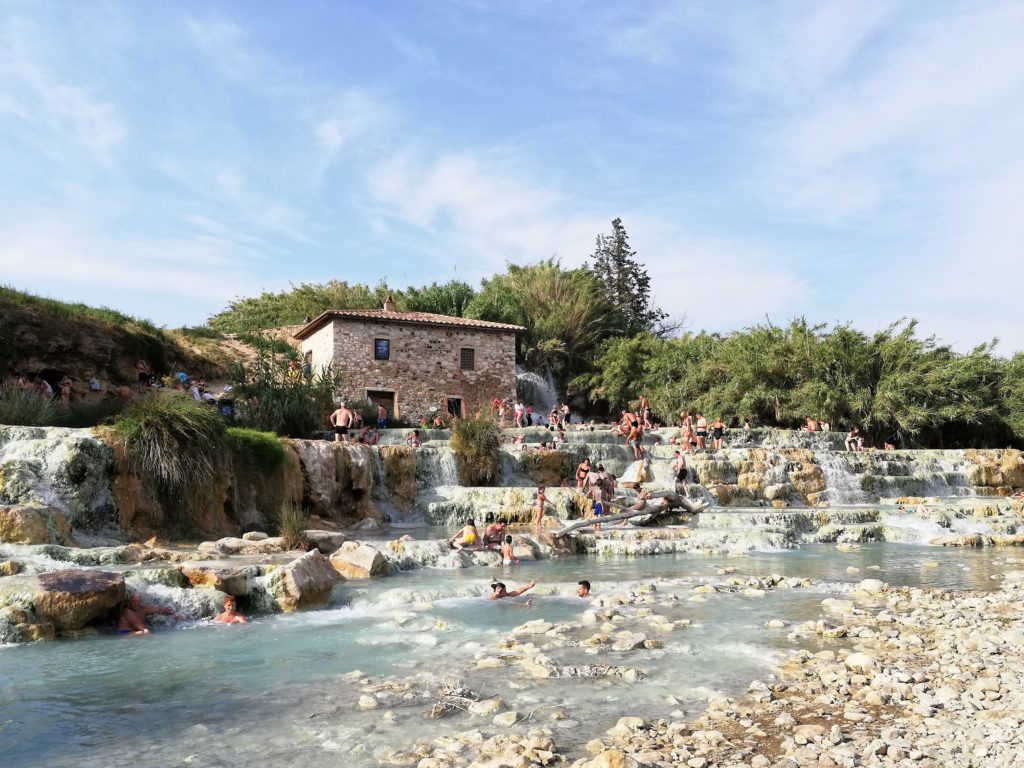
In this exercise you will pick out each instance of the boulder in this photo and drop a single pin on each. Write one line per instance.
(228, 579)
(307, 580)
(358, 560)
(22, 524)
(232, 545)
(9, 568)
(71, 598)
(613, 758)
(255, 536)
(325, 541)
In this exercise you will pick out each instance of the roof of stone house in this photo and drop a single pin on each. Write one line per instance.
(411, 318)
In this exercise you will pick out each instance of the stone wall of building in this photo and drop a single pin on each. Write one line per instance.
(319, 348)
(424, 367)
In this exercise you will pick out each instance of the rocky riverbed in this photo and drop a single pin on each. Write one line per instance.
(887, 677)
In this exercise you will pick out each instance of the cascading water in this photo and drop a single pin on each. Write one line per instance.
(842, 484)
(536, 390)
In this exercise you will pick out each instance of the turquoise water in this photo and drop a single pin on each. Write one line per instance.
(279, 689)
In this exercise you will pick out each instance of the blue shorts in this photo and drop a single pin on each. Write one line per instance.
(598, 509)
(382, 423)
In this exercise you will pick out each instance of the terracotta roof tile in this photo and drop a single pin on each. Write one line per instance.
(415, 318)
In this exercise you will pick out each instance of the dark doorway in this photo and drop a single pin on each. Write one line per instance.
(385, 398)
(455, 407)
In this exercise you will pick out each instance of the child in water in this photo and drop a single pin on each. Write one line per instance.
(507, 557)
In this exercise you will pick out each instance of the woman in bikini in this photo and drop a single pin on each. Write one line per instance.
(466, 537)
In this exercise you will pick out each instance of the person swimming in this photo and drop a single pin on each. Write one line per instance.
(500, 591)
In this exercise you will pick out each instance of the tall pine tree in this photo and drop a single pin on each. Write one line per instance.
(626, 282)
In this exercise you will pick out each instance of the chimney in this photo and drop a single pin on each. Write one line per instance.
(389, 304)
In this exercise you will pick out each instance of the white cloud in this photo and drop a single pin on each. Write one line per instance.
(53, 102)
(474, 209)
(52, 249)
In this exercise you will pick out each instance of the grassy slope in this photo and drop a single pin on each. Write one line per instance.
(39, 334)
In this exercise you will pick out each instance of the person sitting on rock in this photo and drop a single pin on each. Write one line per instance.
(494, 533)
(230, 614)
(641, 500)
(851, 439)
(466, 537)
(133, 617)
(500, 591)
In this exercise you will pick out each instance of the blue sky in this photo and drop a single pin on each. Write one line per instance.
(844, 161)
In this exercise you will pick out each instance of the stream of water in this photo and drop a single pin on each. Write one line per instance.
(285, 688)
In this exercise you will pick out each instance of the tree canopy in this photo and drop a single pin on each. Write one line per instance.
(895, 386)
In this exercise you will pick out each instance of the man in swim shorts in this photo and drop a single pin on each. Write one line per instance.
(341, 420)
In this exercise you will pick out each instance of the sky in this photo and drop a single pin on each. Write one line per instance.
(842, 161)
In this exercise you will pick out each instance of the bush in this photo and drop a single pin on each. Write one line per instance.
(477, 444)
(172, 440)
(271, 399)
(21, 408)
(261, 450)
(292, 525)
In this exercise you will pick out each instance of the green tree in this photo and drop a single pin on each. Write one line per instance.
(565, 314)
(626, 283)
(307, 300)
(452, 298)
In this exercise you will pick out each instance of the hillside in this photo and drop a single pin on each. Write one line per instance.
(41, 337)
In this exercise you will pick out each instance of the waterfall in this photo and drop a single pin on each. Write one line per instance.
(538, 391)
(842, 484)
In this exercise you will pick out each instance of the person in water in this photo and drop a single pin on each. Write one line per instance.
(133, 617)
(230, 614)
(500, 591)
(507, 553)
(583, 588)
(466, 537)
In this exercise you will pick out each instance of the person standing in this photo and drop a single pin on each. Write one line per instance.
(539, 513)
(341, 420)
(382, 416)
(718, 432)
(702, 432)
(679, 468)
(635, 440)
(581, 472)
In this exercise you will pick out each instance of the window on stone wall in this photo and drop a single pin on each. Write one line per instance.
(382, 349)
(467, 359)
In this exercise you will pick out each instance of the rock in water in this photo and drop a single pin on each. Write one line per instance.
(305, 581)
(357, 560)
(34, 525)
(326, 541)
(71, 598)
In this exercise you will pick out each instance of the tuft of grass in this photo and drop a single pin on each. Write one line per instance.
(21, 408)
(73, 311)
(193, 332)
(261, 450)
(175, 441)
(477, 445)
(292, 525)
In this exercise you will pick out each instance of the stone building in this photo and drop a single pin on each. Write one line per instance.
(414, 363)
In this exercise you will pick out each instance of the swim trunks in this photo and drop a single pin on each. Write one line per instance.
(124, 631)
(341, 430)
(598, 509)
(382, 423)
